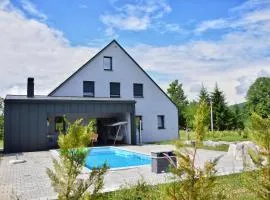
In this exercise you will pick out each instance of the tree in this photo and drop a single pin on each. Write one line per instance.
(177, 95)
(221, 115)
(193, 182)
(258, 97)
(259, 180)
(1, 105)
(237, 117)
(204, 96)
(65, 176)
(189, 113)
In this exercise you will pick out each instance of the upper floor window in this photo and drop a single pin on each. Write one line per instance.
(138, 90)
(161, 122)
(115, 89)
(88, 88)
(107, 63)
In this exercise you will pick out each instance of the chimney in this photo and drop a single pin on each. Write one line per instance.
(30, 87)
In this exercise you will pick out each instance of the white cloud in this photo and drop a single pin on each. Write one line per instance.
(36, 50)
(138, 16)
(244, 82)
(163, 27)
(251, 5)
(236, 55)
(125, 22)
(254, 14)
(31, 9)
(211, 24)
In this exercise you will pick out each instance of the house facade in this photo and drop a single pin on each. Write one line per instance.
(111, 77)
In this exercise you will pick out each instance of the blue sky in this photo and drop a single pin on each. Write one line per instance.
(81, 21)
(197, 41)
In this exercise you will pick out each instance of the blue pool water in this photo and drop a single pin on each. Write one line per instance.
(115, 158)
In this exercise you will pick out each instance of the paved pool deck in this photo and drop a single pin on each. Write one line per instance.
(29, 180)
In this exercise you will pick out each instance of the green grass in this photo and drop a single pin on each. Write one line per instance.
(1, 144)
(231, 185)
(228, 136)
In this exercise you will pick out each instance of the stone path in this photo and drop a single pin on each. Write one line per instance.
(26, 180)
(29, 180)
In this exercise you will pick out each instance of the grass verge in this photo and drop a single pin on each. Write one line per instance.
(233, 186)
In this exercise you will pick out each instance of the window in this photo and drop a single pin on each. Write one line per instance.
(161, 122)
(60, 124)
(88, 88)
(138, 119)
(115, 90)
(138, 90)
(107, 63)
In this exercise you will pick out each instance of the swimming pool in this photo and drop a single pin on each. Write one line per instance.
(115, 158)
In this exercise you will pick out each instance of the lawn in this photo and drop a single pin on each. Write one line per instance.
(1, 144)
(231, 185)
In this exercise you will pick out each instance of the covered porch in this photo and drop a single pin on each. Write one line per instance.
(31, 123)
(111, 128)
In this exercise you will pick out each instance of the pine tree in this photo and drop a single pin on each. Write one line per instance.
(221, 115)
(237, 118)
(204, 96)
(177, 95)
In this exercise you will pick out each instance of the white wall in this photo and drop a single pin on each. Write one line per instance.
(127, 72)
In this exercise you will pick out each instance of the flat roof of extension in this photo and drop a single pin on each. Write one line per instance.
(44, 98)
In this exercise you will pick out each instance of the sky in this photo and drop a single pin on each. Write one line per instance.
(198, 42)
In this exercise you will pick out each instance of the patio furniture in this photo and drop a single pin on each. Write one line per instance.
(119, 136)
(93, 138)
(161, 160)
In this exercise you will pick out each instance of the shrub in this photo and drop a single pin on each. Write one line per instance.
(73, 153)
(259, 180)
(193, 182)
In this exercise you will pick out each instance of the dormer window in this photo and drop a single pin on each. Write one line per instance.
(107, 63)
(88, 88)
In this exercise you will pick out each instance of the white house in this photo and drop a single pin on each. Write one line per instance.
(114, 74)
(111, 88)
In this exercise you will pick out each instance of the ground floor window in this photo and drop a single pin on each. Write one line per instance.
(60, 124)
(138, 119)
(161, 121)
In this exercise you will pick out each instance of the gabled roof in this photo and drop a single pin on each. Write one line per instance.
(97, 55)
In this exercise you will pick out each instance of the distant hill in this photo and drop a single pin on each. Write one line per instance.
(240, 105)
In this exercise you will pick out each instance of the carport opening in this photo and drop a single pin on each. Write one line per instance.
(108, 130)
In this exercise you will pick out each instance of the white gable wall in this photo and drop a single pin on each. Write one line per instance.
(127, 72)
